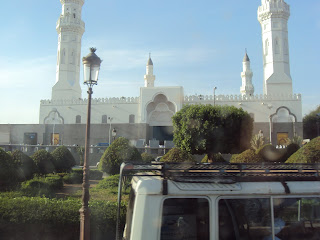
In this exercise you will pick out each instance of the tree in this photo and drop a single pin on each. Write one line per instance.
(63, 159)
(43, 161)
(207, 129)
(177, 155)
(310, 127)
(118, 152)
(25, 163)
(309, 153)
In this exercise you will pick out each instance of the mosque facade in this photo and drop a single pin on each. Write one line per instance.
(277, 112)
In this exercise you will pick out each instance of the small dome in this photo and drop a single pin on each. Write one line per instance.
(149, 62)
(246, 58)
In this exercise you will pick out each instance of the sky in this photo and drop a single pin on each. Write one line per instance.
(195, 44)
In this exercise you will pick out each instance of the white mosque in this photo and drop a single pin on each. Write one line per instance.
(277, 111)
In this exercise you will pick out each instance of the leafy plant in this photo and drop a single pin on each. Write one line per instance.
(8, 170)
(257, 141)
(310, 125)
(118, 152)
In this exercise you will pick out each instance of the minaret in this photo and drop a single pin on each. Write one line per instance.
(149, 77)
(247, 87)
(273, 16)
(70, 28)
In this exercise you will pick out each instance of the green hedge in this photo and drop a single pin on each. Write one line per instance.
(21, 217)
(76, 176)
(309, 153)
(247, 156)
(42, 186)
(176, 155)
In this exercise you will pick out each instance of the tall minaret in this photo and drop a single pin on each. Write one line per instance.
(70, 28)
(273, 16)
(149, 77)
(247, 87)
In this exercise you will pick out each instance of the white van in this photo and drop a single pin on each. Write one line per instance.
(222, 201)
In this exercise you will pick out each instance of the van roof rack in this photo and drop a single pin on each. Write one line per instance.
(203, 172)
(223, 173)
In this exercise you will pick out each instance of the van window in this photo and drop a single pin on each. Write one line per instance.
(291, 218)
(185, 218)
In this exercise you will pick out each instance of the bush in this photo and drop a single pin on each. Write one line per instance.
(217, 157)
(8, 170)
(177, 155)
(109, 182)
(118, 152)
(25, 163)
(270, 154)
(289, 150)
(147, 157)
(309, 153)
(248, 156)
(43, 161)
(63, 159)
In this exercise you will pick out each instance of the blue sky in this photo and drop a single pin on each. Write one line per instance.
(194, 44)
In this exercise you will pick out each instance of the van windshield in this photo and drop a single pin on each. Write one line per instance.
(265, 218)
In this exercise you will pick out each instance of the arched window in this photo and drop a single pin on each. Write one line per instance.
(131, 118)
(78, 119)
(104, 119)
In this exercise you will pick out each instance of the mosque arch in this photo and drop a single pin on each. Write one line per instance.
(53, 117)
(160, 111)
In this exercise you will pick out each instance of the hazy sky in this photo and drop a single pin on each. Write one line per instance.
(194, 44)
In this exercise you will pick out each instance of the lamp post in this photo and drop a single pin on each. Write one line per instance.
(114, 134)
(214, 96)
(110, 121)
(91, 67)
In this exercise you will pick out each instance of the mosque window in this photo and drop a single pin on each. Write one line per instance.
(131, 118)
(78, 119)
(104, 119)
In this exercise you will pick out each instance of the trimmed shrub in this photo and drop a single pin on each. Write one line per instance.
(288, 151)
(25, 163)
(63, 159)
(118, 152)
(44, 162)
(217, 158)
(270, 154)
(248, 156)
(147, 157)
(177, 155)
(8, 170)
(309, 153)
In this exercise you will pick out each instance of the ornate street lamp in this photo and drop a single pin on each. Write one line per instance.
(91, 67)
